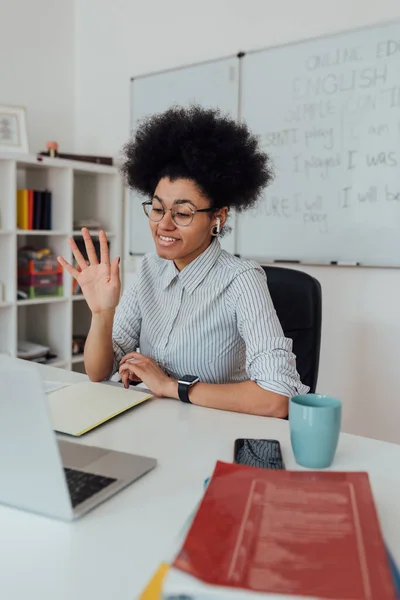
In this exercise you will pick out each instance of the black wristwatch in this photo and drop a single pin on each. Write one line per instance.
(184, 383)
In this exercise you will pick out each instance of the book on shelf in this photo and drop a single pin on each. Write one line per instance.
(34, 209)
(30, 350)
(34, 352)
(281, 534)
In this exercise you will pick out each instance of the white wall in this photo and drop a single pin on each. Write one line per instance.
(360, 346)
(118, 39)
(37, 67)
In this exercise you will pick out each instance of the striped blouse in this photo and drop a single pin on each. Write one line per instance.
(214, 319)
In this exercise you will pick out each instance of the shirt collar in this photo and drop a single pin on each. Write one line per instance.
(170, 273)
(192, 275)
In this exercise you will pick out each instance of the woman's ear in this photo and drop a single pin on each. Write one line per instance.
(222, 215)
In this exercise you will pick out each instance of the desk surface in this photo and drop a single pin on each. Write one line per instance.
(112, 551)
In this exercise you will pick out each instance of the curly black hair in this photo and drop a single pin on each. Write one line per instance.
(220, 155)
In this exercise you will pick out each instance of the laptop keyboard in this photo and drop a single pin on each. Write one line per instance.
(83, 485)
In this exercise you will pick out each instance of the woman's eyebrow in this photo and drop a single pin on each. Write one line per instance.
(184, 201)
(178, 201)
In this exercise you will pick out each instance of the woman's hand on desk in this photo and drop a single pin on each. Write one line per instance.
(127, 377)
(135, 365)
(100, 282)
(245, 397)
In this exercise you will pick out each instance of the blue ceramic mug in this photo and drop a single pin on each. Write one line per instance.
(314, 421)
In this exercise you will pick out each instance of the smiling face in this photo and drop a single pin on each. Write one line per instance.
(176, 242)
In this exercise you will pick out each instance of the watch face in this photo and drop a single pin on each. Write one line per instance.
(189, 379)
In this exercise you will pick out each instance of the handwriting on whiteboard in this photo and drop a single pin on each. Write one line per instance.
(341, 120)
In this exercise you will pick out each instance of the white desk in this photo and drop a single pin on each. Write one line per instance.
(112, 551)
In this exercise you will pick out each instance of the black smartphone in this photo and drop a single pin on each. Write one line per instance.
(258, 453)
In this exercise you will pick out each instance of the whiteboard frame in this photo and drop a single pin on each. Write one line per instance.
(324, 36)
(199, 63)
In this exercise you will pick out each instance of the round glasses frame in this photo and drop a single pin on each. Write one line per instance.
(148, 205)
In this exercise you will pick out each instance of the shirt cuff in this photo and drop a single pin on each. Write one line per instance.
(275, 371)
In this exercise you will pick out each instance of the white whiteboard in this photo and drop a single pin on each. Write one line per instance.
(328, 111)
(213, 84)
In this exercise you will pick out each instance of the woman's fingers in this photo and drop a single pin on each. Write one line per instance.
(127, 375)
(91, 252)
(129, 367)
(124, 369)
(115, 269)
(134, 377)
(104, 254)
(77, 254)
(73, 272)
(129, 356)
(125, 379)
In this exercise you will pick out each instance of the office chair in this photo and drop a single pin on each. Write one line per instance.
(297, 299)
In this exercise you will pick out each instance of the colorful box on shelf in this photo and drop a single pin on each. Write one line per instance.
(40, 276)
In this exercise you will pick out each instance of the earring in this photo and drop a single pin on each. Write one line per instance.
(215, 231)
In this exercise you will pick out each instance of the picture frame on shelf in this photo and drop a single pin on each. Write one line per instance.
(13, 129)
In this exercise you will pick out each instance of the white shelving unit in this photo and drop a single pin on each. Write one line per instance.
(79, 190)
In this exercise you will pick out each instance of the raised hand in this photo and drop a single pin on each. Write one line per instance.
(100, 282)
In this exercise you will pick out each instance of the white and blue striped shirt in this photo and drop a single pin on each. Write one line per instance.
(214, 319)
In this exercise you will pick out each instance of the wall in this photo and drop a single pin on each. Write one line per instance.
(37, 67)
(115, 41)
(359, 349)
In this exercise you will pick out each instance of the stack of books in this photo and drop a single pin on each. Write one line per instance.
(34, 352)
(34, 209)
(270, 534)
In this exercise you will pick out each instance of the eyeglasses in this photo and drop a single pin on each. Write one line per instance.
(181, 213)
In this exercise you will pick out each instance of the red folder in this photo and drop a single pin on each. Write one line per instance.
(304, 533)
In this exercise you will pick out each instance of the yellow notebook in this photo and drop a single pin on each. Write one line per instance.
(154, 587)
(80, 407)
(22, 209)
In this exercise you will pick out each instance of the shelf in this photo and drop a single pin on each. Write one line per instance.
(81, 192)
(41, 232)
(6, 304)
(57, 363)
(93, 232)
(54, 362)
(78, 358)
(42, 301)
(32, 161)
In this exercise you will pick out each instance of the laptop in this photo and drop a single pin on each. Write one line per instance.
(41, 474)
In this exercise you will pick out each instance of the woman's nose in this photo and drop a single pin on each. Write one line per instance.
(167, 220)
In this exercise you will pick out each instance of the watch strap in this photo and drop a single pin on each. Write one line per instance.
(183, 391)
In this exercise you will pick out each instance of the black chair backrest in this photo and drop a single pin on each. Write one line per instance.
(297, 299)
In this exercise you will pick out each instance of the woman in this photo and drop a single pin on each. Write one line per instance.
(199, 315)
